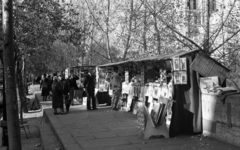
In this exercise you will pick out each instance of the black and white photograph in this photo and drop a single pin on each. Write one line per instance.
(176, 64)
(120, 74)
(182, 64)
(177, 78)
(183, 77)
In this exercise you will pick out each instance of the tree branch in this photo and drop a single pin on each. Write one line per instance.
(225, 41)
(220, 28)
(170, 26)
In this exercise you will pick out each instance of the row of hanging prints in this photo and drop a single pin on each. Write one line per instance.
(180, 70)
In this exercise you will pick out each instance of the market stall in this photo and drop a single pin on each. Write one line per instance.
(168, 90)
(78, 73)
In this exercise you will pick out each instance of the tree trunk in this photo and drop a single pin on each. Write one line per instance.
(206, 44)
(157, 31)
(127, 45)
(14, 137)
(21, 88)
(107, 32)
(5, 137)
(144, 30)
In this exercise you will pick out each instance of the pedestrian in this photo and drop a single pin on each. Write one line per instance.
(66, 92)
(89, 88)
(117, 88)
(57, 96)
(50, 81)
(73, 86)
(44, 86)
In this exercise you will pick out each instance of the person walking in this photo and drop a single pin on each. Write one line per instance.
(117, 89)
(44, 86)
(89, 87)
(57, 96)
(50, 81)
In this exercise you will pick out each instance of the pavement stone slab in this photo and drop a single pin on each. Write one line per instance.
(103, 142)
(104, 129)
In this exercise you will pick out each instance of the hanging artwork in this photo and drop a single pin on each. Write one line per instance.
(127, 76)
(182, 64)
(175, 64)
(183, 77)
(177, 78)
(180, 70)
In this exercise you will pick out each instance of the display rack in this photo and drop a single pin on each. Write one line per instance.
(152, 129)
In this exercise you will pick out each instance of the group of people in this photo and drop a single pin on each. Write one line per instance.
(62, 90)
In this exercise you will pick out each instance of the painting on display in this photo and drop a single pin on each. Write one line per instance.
(180, 70)
(182, 64)
(126, 76)
(177, 78)
(175, 64)
(183, 77)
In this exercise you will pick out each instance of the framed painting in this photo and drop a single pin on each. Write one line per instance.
(175, 64)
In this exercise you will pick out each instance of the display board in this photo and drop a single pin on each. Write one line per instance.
(180, 70)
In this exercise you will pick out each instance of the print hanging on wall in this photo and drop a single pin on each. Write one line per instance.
(177, 79)
(175, 64)
(183, 77)
(182, 64)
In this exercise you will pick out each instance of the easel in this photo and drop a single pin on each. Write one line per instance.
(153, 130)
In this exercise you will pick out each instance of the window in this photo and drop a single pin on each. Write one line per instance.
(192, 4)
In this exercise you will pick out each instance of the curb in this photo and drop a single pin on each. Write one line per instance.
(66, 141)
(48, 139)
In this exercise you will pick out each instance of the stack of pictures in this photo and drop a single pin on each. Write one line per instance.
(180, 70)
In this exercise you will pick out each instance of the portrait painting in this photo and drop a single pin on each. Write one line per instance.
(175, 64)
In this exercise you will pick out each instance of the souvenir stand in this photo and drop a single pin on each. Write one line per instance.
(168, 101)
(104, 73)
(171, 94)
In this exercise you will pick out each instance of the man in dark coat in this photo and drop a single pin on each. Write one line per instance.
(44, 86)
(57, 96)
(73, 86)
(89, 87)
(66, 90)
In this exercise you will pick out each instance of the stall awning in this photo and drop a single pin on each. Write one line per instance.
(167, 56)
(83, 66)
(153, 58)
(117, 63)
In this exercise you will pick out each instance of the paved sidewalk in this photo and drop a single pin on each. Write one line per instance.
(105, 129)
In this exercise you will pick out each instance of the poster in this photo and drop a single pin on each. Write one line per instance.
(126, 76)
(175, 64)
(182, 64)
(177, 78)
(183, 77)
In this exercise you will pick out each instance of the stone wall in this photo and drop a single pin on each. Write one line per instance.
(221, 117)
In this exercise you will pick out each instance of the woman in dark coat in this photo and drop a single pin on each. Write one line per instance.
(57, 96)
